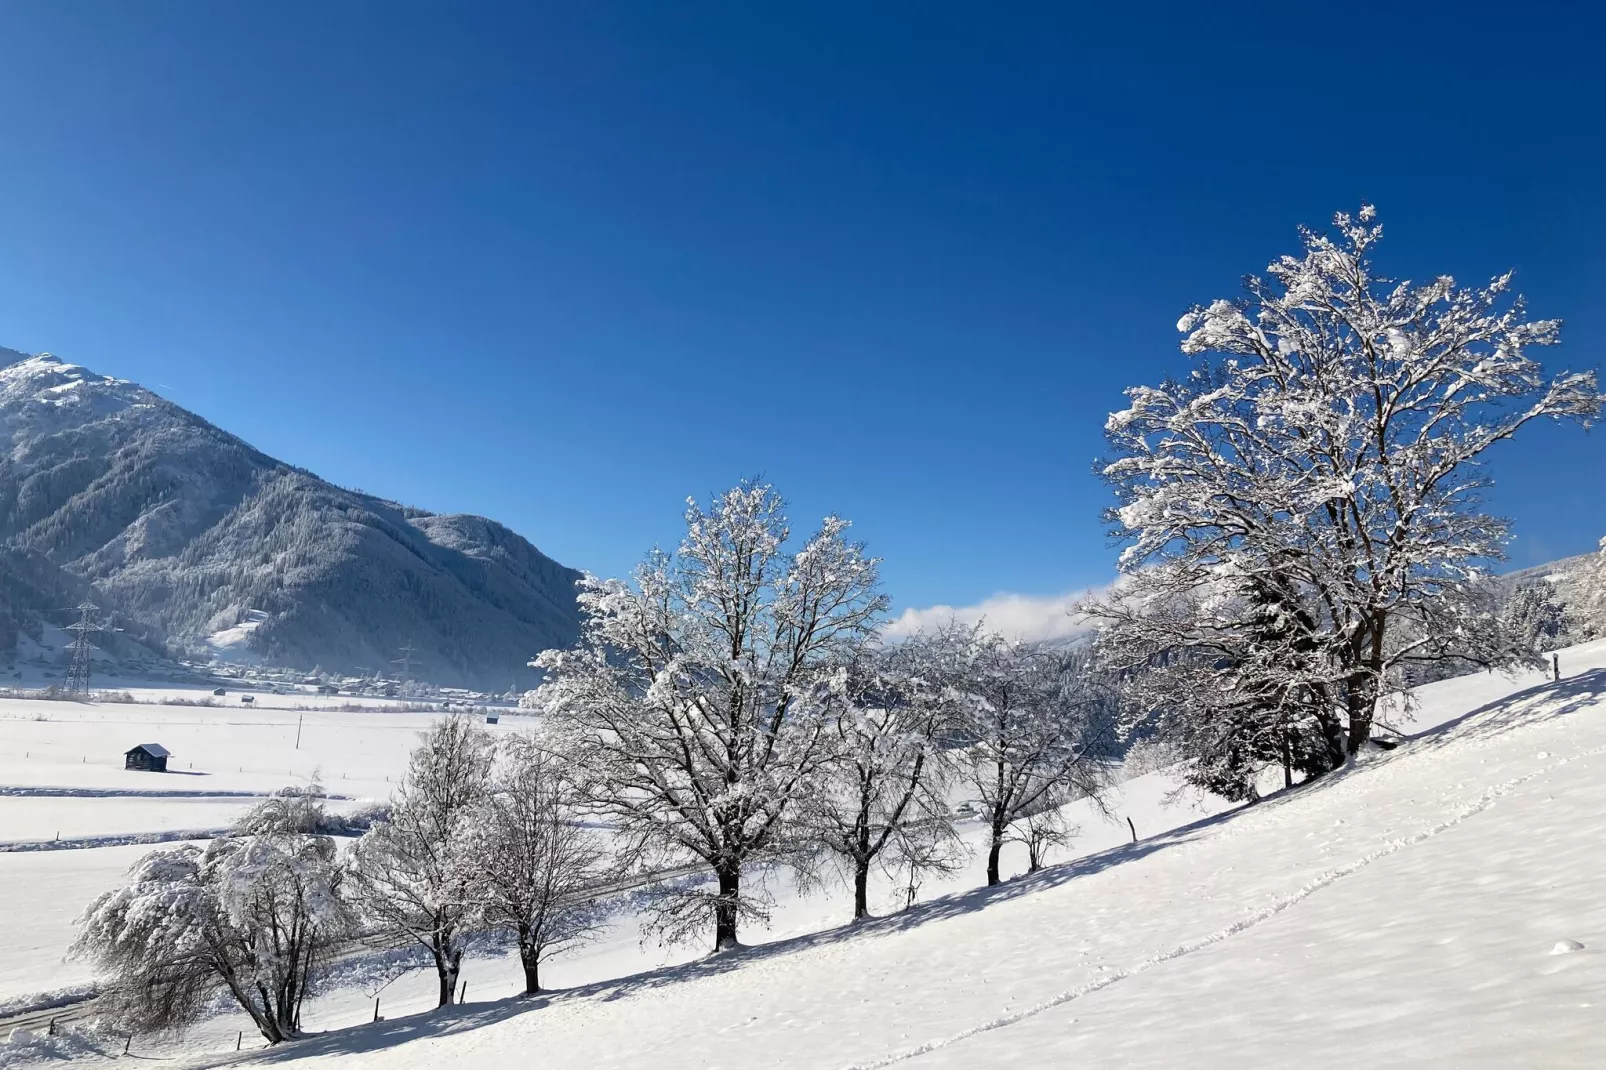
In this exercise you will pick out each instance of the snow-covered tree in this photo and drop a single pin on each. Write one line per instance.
(1586, 597)
(1035, 735)
(1537, 617)
(533, 861)
(689, 702)
(254, 914)
(1234, 681)
(1041, 831)
(881, 797)
(412, 873)
(1326, 448)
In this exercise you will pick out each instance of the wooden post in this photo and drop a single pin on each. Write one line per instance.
(239, 1039)
(128, 1042)
(299, 719)
(463, 995)
(1134, 829)
(376, 1008)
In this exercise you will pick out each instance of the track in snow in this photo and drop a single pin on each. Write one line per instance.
(1251, 920)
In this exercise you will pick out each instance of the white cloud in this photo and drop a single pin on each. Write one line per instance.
(1015, 616)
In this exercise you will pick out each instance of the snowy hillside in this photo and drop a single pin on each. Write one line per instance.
(1415, 909)
(188, 534)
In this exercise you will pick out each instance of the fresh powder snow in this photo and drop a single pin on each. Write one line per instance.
(1402, 911)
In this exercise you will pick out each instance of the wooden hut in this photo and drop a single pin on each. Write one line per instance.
(147, 758)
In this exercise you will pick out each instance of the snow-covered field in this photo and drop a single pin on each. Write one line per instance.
(28, 819)
(1400, 913)
(44, 892)
(224, 748)
(61, 773)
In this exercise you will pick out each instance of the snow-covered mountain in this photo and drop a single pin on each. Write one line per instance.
(1566, 573)
(194, 539)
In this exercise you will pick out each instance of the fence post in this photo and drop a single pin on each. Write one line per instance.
(1134, 829)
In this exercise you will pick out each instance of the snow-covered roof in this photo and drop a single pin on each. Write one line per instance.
(155, 750)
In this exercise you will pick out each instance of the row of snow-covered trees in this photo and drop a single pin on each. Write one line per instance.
(734, 706)
(1304, 535)
(732, 712)
(480, 837)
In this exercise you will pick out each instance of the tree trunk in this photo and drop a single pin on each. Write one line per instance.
(271, 1021)
(448, 984)
(1362, 690)
(730, 888)
(1334, 733)
(267, 1024)
(861, 858)
(1361, 700)
(530, 956)
(285, 1009)
(992, 856)
(448, 964)
(861, 888)
(261, 1016)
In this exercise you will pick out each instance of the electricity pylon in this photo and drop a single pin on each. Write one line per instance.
(78, 671)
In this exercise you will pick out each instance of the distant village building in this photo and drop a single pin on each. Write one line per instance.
(147, 758)
(220, 691)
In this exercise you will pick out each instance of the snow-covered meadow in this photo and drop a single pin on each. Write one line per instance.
(1407, 916)
(225, 748)
(62, 775)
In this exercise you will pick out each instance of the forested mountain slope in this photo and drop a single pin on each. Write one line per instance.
(185, 532)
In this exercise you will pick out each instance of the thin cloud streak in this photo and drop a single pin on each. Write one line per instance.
(1014, 616)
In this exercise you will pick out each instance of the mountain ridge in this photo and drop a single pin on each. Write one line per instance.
(188, 531)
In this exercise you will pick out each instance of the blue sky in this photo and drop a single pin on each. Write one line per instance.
(564, 265)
